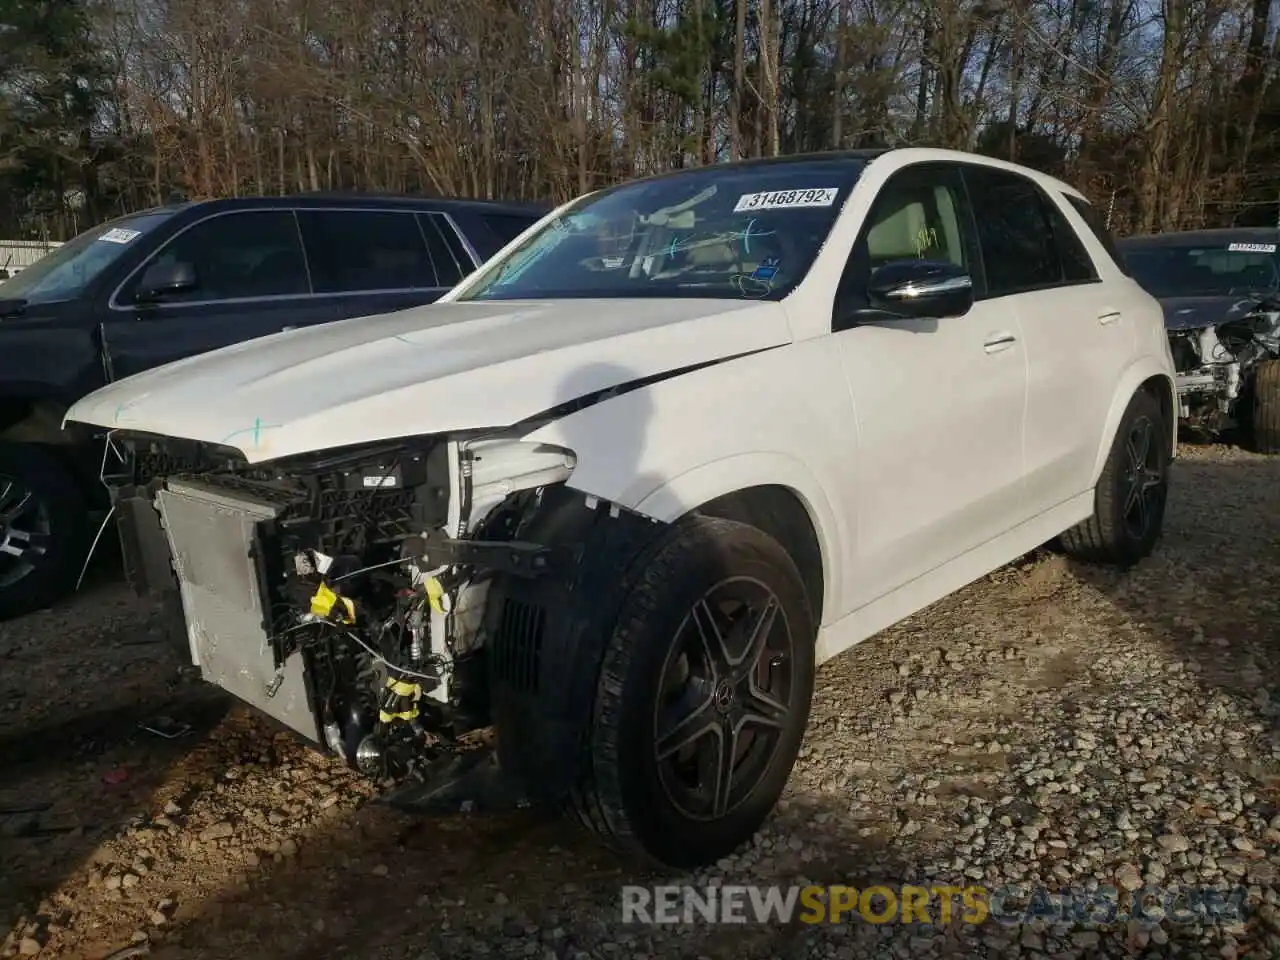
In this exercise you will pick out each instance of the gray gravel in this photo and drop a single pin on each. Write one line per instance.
(1050, 726)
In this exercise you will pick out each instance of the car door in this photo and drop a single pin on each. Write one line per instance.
(938, 403)
(250, 280)
(1076, 337)
(365, 262)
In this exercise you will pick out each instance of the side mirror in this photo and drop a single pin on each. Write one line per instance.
(162, 279)
(921, 289)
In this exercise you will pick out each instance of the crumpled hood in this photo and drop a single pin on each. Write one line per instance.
(430, 369)
(1194, 313)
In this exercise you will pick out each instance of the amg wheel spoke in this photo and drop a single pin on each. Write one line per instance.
(726, 757)
(13, 503)
(695, 723)
(757, 640)
(713, 645)
(761, 707)
(1139, 447)
(1133, 494)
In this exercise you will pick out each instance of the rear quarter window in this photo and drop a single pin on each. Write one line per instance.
(490, 232)
(1089, 214)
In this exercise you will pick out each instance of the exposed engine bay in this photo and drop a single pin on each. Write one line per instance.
(1215, 355)
(347, 594)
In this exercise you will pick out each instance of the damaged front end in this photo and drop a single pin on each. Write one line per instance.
(1216, 345)
(344, 593)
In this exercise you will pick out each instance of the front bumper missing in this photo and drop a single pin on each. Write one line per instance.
(213, 541)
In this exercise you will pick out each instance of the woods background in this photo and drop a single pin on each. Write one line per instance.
(1165, 112)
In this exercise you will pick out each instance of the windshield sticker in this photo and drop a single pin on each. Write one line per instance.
(1252, 248)
(784, 199)
(767, 270)
(120, 235)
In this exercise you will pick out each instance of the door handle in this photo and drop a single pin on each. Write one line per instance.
(999, 342)
(1109, 316)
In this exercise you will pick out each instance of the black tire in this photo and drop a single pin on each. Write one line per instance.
(1265, 416)
(1123, 531)
(56, 512)
(626, 793)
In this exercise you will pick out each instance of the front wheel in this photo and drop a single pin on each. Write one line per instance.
(44, 527)
(703, 696)
(1131, 493)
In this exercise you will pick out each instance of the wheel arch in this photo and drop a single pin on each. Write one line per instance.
(29, 416)
(771, 491)
(781, 513)
(32, 418)
(1144, 376)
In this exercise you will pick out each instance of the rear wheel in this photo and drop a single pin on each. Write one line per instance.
(1265, 415)
(703, 696)
(44, 527)
(1130, 496)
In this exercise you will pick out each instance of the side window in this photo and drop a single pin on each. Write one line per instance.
(447, 253)
(507, 226)
(1077, 265)
(1089, 214)
(1015, 231)
(359, 250)
(490, 231)
(251, 253)
(921, 213)
(918, 215)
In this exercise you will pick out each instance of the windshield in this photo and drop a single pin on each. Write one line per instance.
(1200, 270)
(64, 272)
(719, 231)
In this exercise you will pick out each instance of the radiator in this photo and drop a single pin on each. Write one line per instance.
(211, 534)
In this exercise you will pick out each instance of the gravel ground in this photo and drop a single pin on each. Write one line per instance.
(1049, 725)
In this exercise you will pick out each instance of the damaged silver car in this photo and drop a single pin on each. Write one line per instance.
(1220, 290)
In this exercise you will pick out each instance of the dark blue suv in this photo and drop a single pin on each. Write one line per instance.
(179, 280)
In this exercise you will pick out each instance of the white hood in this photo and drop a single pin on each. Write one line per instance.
(430, 369)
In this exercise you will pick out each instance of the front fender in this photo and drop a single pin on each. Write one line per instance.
(778, 418)
(1134, 376)
(709, 481)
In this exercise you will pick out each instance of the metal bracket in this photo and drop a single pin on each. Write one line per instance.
(513, 557)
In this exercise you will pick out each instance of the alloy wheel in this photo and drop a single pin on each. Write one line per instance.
(1142, 484)
(724, 699)
(24, 531)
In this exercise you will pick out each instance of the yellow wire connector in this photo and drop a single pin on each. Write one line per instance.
(402, 695)
(324, 600)
(435, 595)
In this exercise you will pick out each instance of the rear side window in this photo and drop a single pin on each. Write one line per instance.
(1099, 227)
(361, 250)
(447, 253)
(507, 226)
(1077, 265)
(1014, 230)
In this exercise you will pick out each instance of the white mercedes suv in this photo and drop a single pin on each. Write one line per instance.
(616, 495)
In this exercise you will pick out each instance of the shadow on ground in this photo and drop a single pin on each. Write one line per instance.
(1211, 592)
